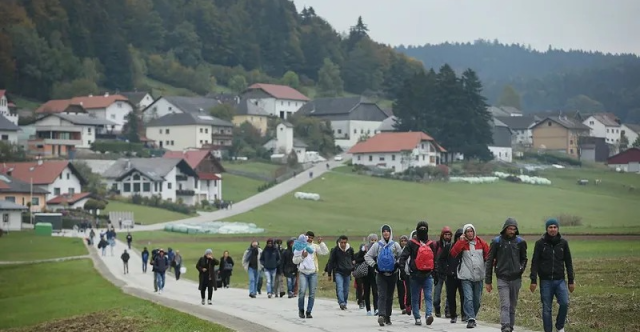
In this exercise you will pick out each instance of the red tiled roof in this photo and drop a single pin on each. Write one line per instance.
(393, 142)
(58, 106)
(192, 157)
(280, 91)
(208, 176)
(2, 93)
(41, 174)
(71, 199)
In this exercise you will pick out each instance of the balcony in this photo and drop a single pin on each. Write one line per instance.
(185, 192)
(181, 178)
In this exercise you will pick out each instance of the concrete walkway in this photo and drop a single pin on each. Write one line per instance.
(51, 260)
(254, 201)
(279, 314)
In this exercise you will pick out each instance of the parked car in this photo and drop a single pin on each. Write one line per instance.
(337, 158)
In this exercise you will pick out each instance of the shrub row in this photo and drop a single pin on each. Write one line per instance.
(157, 201)
(104, 146)
(267, 186)
(552, 158)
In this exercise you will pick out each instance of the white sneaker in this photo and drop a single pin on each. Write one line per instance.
(160, 291)
(561, 330)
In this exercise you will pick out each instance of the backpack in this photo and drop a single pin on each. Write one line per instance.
(497, 239)
(386, 260)
(425, 258)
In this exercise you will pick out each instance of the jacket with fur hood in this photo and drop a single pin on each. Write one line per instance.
(473, 255)
(410, 253)
(507, 255)
(372, 255)
(248, 256)
(341, 260)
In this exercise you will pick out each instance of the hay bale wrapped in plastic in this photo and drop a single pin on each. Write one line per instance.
(307, 196)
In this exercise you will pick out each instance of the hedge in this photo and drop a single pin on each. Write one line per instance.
(117, 147)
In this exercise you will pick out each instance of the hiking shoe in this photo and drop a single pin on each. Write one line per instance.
(202, 301)
(429, 320)
(301, 313)
(404, 311)
(381, 320)
(418, 321)
(361, 305)
(342, 307)
(253, 296)
(408, 311)
(387, 320)
(375, 312)
(505, 328)
(282, 294)
(438, 313)
(454, 320)
(259, 293)
(210, 303)
(471, 324)
(309, 315)
(447, 314)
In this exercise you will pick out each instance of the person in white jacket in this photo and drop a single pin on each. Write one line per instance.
(305, 255)
(251, 264)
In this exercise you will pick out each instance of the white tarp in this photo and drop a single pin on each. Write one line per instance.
(215, 227)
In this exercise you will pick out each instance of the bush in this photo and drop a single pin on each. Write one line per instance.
(552, 158)
(566, 220)
(477, 168)
(156, 201)
(266, 186)
(117, 147)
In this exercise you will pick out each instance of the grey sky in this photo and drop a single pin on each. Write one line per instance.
(606, 26)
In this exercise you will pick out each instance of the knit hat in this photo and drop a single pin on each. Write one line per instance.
(551, 221)
(404, 237)
(422, 224)
(208, 251)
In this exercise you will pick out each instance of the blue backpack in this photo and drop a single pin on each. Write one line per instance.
(386, 259)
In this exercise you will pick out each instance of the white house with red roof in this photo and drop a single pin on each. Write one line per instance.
(58, 177)
(6, 107)
(397, 151)
(277, 100)
(209, 171)
(605, 125)
(114, 108)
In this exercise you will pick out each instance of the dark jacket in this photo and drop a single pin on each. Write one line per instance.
(125, 257)
(550, 257)
(288, 267)
(270, 258)
(160, 263)
(145, 255)
(208, 277)
(226, 264)
(509, 258)
(129, 238)
(359, 258)
(103, 243)
(441, 260)
(411, 251)
(341, 261)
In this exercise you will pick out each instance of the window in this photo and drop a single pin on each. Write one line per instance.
(89, 142)
(68, 176)
(607, 130)
(370, 158)
(549, 123)
(89, 130)
(166, 131)
(571, 142)
(168, 185)
(35, 201)
(136, 187)
(136, 176)
(206, 130)
(127, 187)
(591, 123)
(201, 130)
(167, 144)
(172, 143)
(113, 116)
(155, 186)
(382, 158)
(355, 131)
(72, 191)
(571, 151)
(119, 105)
(422, 146)
(358, 157)
(10, 199)
(339, 131)
(393, 157)
(288, 103)
(114, 186)
(160, 131)
(146, 187)
(60, 176)
(5, 137)
(56, 191)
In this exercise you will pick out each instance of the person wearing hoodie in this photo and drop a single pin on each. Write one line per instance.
(551, 255)
(370, 287)
(421, 268)
(473, 253)
(450, 266)
(341, 263)
(401, 284)
(383, 257)
(440, 274)
(278, 284)
(125, 260)
(270, 260)
(508, 256)
(207, 274)
(160, 266)
(289, 269)
(251, 264)
(327, 266)
(305, 255)
(145, 259)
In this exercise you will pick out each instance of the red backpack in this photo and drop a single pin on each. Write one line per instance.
(424, 259)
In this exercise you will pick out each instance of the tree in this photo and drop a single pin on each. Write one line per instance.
(77, 87)
(132, 127)
(362, 70)
(636, 144)
(330, 83)
(223, 111)
(510, 97)
(624, 141)
(12, 152)
(316, 133)
(291, 79)
(238, 83)
(94, 182)
(292, 159)
(585, 104)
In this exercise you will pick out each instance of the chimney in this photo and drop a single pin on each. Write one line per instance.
(128, 164)
(106, 94)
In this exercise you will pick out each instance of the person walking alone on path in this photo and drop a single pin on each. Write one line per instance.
(145, 259)
(341, 265)
(508, 254)
(440, 274)
(289, 268)
(305, 255)
(551, 255)
(270, 260)
(251, 264)
(125, 261)
(177, 262)
(383, 257)
(226, 268)
(129, 240)
(160, 266)
(207, 274)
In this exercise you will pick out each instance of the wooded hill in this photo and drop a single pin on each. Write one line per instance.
(58, 48)
(550, 80)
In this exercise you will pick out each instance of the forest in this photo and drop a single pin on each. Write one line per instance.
(57, 48)
(550, 80)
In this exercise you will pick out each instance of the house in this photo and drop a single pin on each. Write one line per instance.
(397, 151)
(251, 111)
(138, 99)
(114, 108)
(277, 100)
(502, 138)
(181, 131)
(8, 130)
(605, 125)
(521, 128)
(59, 134)
(387, 125)
(171, 179)
(22, 193)
(594, 149)
(58, 177)
(11, 216)
(626, 161)
(8, 108)
(558, 134)
(225, 98)
(284, 143)
(631, 131)
(504, 111)
(209, 170)
(177, 104)
(69, 201)
(352, 118)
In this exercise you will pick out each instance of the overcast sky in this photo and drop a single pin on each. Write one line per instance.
(607, 26)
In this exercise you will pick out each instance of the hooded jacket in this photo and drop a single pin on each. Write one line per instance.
(270, 257)
(411, 252)
(249, 254)
(442, 245)
(372, 255)
(508, 256)
(288, 267)
(309, 265)
(451, 263)
(550, 257)
(473, 255)
(145, 255)
(341, 260)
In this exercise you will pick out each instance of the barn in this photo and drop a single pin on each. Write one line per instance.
(626, 161)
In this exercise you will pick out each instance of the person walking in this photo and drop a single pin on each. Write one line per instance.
(401, 285)
(508, 257)
(439, 277)
(251, 264)
(370, 286)
(111, 238)
(207, 274)
(473, 253)
(449, 265)
(359, 280)
(102, 245)
(289, 268)
(341, 265)
(551, 256)
(160, 266)
(177, 263)
(129, 240)
(171, 254)
(305, 255)
(383, 257)
(226, 268)
(92, 235)
(145, 259)
(421, 268)
(270, 260)
(278, 284)
(125, 261)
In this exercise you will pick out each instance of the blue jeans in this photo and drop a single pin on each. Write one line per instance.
(342, 287)
(424, 285)
(437, 295)
(291, 284)
(253, 281)
(307, 282)
(160, 280)
(271, 275)
(472, 291)
(549, 289)
(144, 266)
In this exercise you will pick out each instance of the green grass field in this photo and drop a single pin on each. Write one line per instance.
(259, 168)
(146, 215)
(27, 246)
(162, 89)
(236, 188)
(40, 294)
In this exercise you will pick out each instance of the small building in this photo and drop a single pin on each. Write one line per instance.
(57, 177)
(68, 201)
(251, 111)
(7, 108)
(521, 128)
(8, 130)
(605, 125)
(594, 149)
(626, 161)
(387, 125)
(631, 131)
(183, 131)
(178, 104)
(208, 168)
(559, 134)
(284, 143)
(11, 215)
(139, 99)
(22, 193)
(501, 146)
(114, 108)
(277, 100)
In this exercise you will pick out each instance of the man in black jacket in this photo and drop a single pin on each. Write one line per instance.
(289, 269)
(341, 263)
(550, 257)
(508, 254)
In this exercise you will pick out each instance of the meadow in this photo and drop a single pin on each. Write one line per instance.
(258, 168)
(145, 215)
(26, 246)
(236, 188)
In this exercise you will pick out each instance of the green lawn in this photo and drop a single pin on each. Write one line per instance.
(36, 294)
(162, 89)
(259, 168)
(237, 188)
(27, 246)
(145, 215)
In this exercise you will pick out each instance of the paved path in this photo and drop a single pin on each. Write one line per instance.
(254, 201)
(279, 314)
(51, 260)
